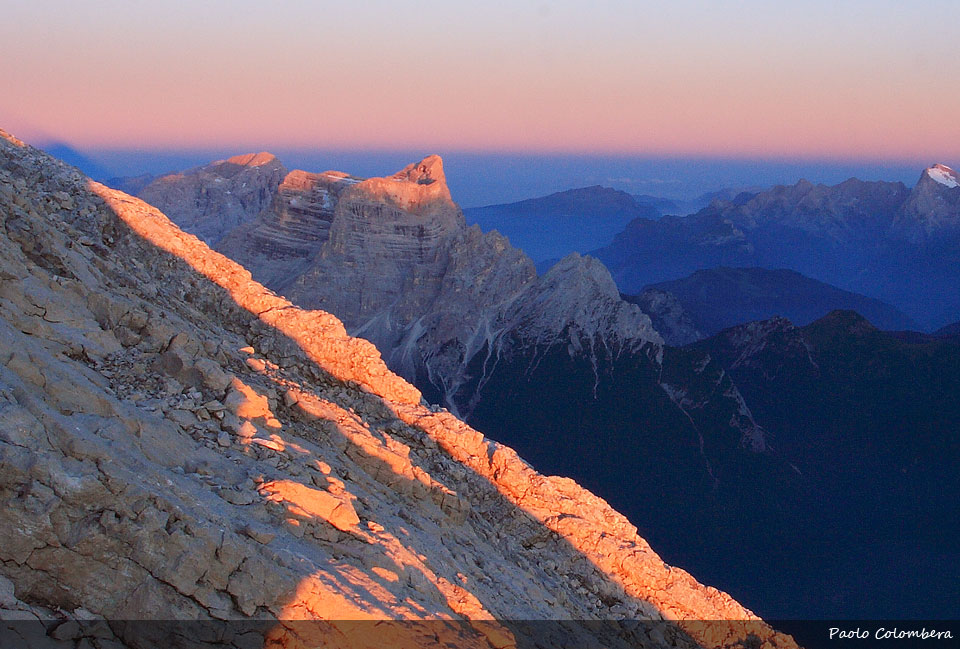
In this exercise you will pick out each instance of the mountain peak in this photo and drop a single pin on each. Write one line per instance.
(944, 175)
(210, 200)
(252, 159)
(426, 172)
(845, 320)
(418, 188)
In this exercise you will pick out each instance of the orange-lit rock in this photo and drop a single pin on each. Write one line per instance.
(306, 502)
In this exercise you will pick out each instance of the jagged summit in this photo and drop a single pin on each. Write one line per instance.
(252, 159)
(578, 296)
(426, 172)
(944, 175)
(419, 188)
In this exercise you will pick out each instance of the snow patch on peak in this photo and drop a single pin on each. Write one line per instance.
(944, 175)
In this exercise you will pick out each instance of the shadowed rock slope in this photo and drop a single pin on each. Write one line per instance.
(176, 441)
(872, 421)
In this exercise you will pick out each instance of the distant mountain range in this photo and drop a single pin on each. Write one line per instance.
(576, 220)
(879, 239)
(678, 207)
(717, 298)
(75, 158)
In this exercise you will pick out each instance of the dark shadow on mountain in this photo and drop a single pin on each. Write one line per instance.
(872, 420)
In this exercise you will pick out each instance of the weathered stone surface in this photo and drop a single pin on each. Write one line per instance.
(292, 230)
(212, 200)
(347, 500)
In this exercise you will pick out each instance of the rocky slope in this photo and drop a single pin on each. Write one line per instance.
(210, 201)
(179, 442)
(879, 239)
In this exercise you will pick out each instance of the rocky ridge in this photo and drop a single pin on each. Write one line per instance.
(180, 442)
(393, 258)
(717, 298)
(211, 200)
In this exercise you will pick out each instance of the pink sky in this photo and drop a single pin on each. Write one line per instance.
(836, 79)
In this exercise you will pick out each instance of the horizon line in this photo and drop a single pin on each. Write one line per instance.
(425, 150)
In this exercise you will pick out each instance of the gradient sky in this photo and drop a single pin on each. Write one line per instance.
(840, 79)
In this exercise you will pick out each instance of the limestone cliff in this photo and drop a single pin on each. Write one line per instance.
(292, 228)
(210, 201)
(178, 442)
(393, 258)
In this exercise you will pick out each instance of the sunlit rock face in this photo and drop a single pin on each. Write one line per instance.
(179, 442)
(388, 242)
(290, 231)
(210, 201)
